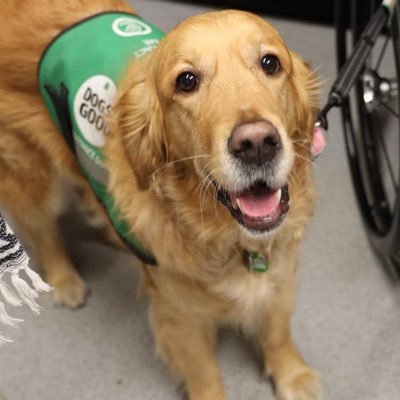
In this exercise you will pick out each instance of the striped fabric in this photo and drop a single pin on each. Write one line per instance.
(13, 262)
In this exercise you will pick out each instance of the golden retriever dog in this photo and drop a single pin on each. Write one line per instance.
(209, 163)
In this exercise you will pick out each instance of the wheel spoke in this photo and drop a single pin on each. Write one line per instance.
(390, 109)
(382, 53)
(387, 161)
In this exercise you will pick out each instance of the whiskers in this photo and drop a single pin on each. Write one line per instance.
(300, 143)
(168, 164)
(207, 182)
(294, 177)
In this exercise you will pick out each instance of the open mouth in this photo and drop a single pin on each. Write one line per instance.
(258, 208)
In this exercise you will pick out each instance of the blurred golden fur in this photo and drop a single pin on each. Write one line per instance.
(161, 146)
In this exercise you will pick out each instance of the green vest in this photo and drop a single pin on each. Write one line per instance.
(78, 76)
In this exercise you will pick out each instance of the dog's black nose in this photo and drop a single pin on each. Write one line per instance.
(255, 143)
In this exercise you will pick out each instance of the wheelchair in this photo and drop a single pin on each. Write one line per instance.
(366, 90)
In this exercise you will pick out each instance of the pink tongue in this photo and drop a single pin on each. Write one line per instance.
(259, 205)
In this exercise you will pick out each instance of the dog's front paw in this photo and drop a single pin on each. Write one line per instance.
(303, 384)
(70, 291)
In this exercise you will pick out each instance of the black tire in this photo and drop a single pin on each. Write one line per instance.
(374, 169)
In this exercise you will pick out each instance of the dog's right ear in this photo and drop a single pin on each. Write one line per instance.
(139, 121)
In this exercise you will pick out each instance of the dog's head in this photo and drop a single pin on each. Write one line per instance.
(223, 92)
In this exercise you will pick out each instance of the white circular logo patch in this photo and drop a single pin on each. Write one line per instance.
(125, 26)
(92, 104)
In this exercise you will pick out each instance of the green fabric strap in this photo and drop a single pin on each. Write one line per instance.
(78, 77)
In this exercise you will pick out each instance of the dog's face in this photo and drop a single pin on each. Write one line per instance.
(232, 97)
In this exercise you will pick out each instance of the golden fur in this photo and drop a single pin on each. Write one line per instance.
(163, 145)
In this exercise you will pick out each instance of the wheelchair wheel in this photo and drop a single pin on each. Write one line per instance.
(371, 125)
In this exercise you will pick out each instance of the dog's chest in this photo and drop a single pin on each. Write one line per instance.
(250, 294)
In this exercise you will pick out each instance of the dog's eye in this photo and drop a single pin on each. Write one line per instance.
(186, 82)
(270, 64)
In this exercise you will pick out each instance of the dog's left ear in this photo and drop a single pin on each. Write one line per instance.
(306, 88)
(139, 121)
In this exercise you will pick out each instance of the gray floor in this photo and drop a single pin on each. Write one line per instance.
(347, 322)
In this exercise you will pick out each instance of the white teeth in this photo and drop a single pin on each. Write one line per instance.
(238, 204)
(234, 201)
(279, 194)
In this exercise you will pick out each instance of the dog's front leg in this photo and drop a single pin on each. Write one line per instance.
(293, 378)
(187, 346)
